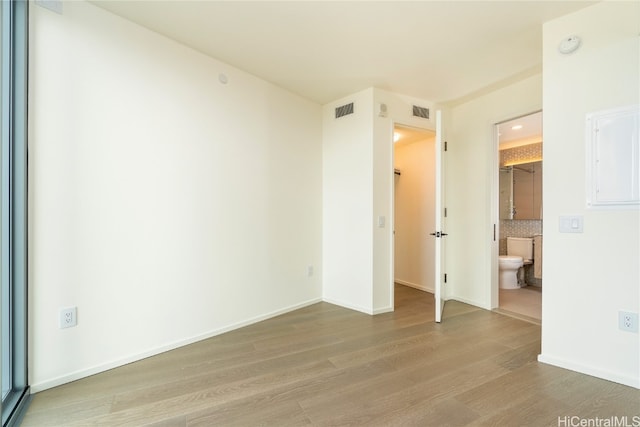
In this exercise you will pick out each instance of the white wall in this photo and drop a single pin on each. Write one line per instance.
(399, 111)
(347, 173)
(357, 190)
(588, 277)
(166, 206)
(471, 200)
(415, 214)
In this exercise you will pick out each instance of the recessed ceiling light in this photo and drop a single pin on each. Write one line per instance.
(516, 127)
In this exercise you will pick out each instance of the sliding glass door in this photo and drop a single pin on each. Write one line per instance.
(13, 208)
(5, 330)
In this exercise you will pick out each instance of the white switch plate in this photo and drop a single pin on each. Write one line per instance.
(381, 221)
(571, 223)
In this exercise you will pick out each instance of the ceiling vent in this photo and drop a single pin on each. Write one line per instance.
(420, 112)
(344, 110)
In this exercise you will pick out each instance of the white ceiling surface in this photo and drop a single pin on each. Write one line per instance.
(404, 135)
(530, 132)
(325, 50)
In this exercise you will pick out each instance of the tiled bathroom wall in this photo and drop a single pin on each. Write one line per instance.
(521, 154)
(517, 228)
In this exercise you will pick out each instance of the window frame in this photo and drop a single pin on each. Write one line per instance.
(13, 204)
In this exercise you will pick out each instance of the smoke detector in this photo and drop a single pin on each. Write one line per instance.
(569, 45)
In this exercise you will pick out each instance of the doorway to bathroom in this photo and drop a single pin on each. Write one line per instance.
(518, 229)
(414, 207)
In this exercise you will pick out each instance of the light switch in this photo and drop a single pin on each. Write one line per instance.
(381, 221)
(571, 224)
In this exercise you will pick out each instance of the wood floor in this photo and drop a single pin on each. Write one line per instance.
(326, 366)
(526, 302)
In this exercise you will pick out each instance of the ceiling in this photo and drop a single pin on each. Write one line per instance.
(513, 133)
(404, 135)
(441, 51)
(520, 131)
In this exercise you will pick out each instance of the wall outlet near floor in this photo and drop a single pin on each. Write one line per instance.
(309, 270)
(68, 317)
(628, 321)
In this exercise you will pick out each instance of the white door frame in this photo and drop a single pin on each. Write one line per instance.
(440, 221)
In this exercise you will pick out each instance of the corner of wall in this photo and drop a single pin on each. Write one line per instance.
(582, 279)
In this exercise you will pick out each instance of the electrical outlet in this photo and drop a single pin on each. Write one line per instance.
(68, 317)
(628, 321)
(309, 270)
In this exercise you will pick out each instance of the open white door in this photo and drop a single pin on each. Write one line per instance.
(439, 234)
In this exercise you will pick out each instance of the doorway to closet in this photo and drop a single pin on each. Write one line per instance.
(414, 207)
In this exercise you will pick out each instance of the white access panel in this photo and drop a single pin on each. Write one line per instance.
(613, 158)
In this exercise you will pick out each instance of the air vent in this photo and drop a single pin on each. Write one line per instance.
(420, 112)
(344, 110)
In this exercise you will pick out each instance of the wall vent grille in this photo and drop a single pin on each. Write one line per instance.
(420, 112)
(344, 110)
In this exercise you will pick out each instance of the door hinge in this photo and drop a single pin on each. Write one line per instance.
(445, 146)
(445, 277)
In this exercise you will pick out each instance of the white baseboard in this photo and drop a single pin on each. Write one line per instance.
(382, 310)
(470, 302)
(414, 285)
(349, 306)
(590, 370)
(82, 373)
(372, 312)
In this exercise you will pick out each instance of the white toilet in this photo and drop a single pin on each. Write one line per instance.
(511, 266)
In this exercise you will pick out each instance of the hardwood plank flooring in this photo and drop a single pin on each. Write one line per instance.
(325, 366)
(526, 302)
